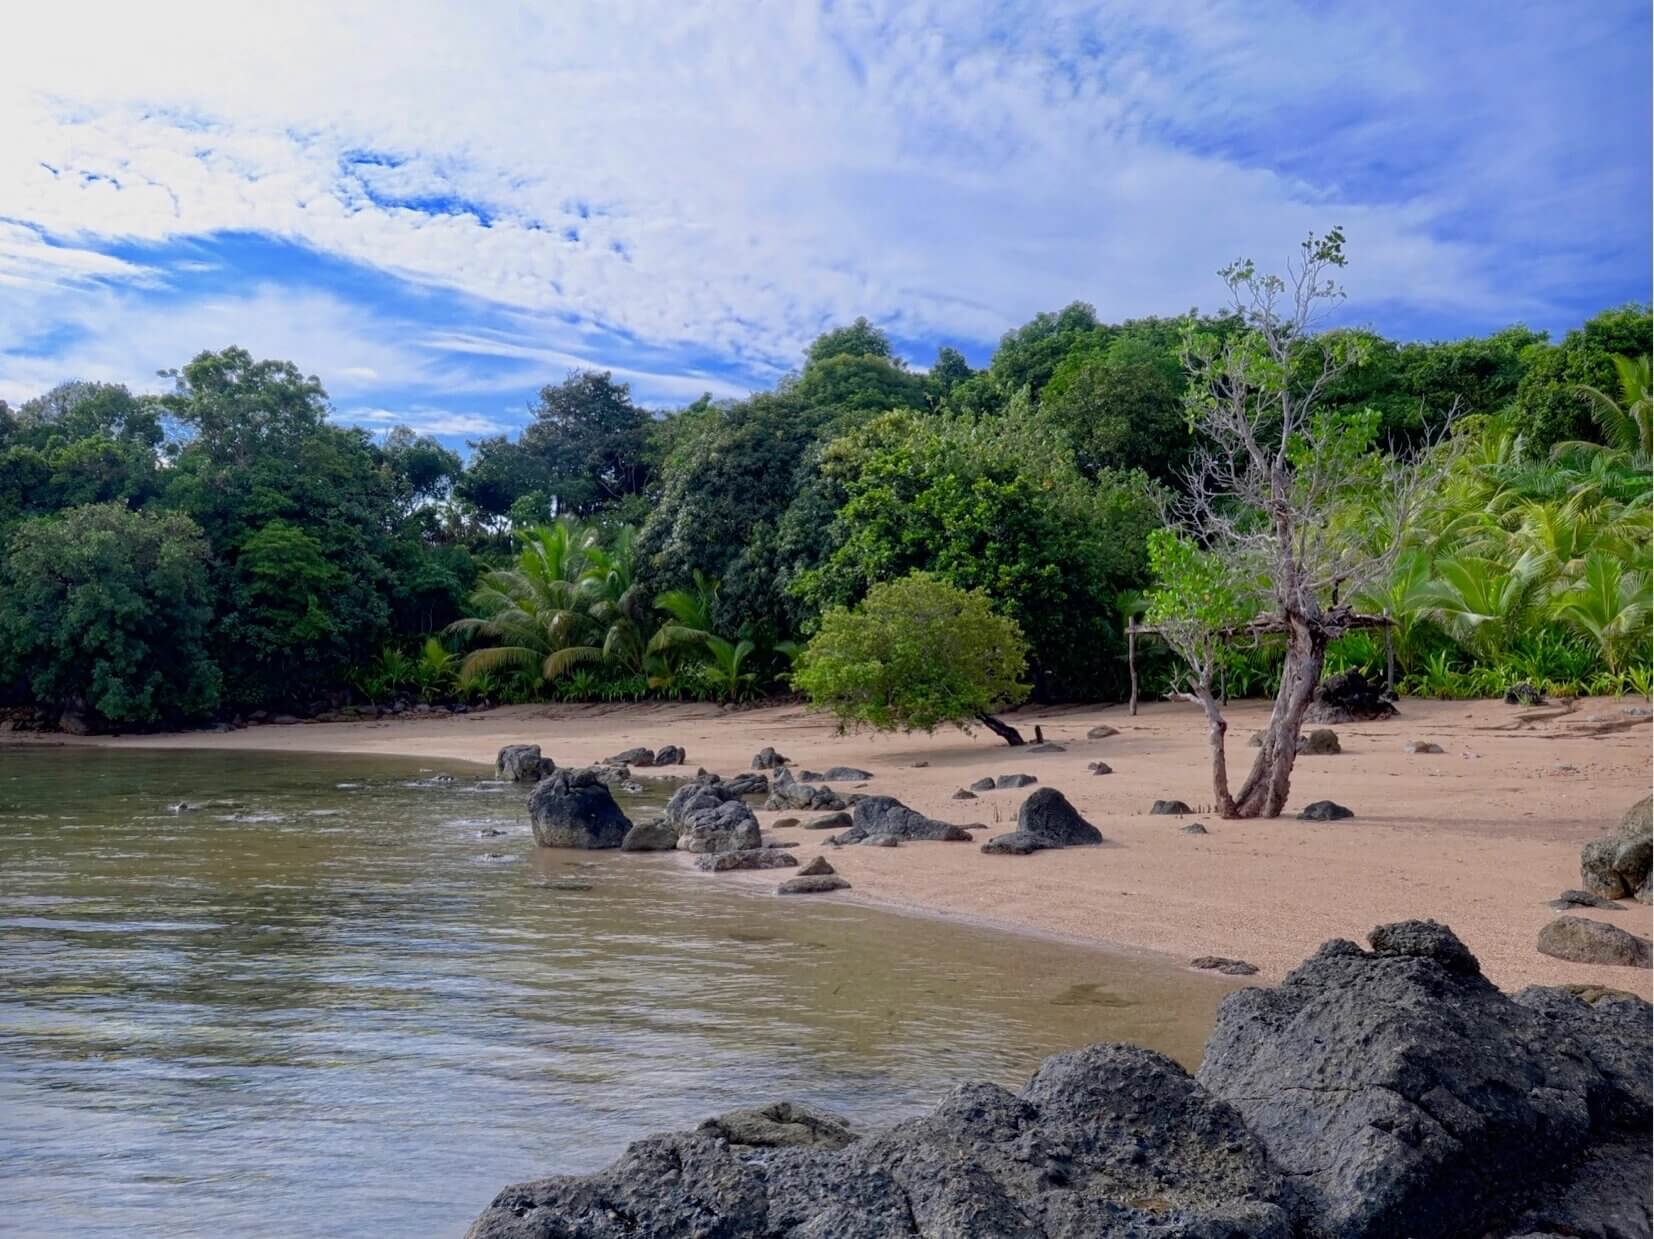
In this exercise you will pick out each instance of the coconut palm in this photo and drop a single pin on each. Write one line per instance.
(1626, 418)
(1610, 602)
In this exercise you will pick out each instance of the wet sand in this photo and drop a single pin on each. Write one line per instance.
(1479, 836)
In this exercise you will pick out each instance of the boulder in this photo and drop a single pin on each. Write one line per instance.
(573, 809)
(1584, 899)
(1324, 811)
(1195, 828)
(522, 763)
(1321, 742)
(747, 785)
(633, 757)
(1222, 963)
(816, 865)
(1014, 780)
(780, 1125)
(832, 821)
(654, 836)
(1045, 747)
(669, 755)
(885, 815)
(1524, 694)
(815, 884)
(1421, 746)
(745, 858)
(768, 759)
(964, 793)
(845, 774)
(1173, 808)
(881, 841)
(1099, 767)
(1617, 864)
(1102, 732)
(784, 823)
(1583, 941)
(726, 827)
(1046, 820)
(1402, 1094)
(983, 784)
(1349, 697)
(787, 792)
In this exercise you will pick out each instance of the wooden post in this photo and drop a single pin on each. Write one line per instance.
(1389, 653)
(1131, 662)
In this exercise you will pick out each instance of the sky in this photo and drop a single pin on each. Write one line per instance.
(438, 208)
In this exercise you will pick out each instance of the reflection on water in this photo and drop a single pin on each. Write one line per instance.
(347, 996)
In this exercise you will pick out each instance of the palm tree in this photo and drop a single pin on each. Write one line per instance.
(1627, 419)
(1483, 602)
(1611, 603)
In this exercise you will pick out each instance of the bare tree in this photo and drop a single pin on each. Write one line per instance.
(1253, 546)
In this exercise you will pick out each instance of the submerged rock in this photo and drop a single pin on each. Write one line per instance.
(745, 858)
(885, 815)
(574, 809)
(522, 763)
(780, 1125)
(656, 836)
(1222, 963)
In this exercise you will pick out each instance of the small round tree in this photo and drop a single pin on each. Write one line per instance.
(914, 654)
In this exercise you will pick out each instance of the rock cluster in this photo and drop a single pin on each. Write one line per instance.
(1350, 697)
(1373, 1094)
(787, 792)
(709, 817)
(885, 815)
(1617, 865)
(575, 809)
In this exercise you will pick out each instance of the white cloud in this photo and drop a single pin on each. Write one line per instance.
(422, 420)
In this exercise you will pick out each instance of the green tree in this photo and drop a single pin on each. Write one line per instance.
(107, 609)
(1121, 406)
(914, 654)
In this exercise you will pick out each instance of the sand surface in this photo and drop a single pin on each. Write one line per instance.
(1479, 837)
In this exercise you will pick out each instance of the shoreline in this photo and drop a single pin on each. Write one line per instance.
(1478, 837)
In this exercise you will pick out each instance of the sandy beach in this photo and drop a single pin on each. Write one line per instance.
(1479, 836)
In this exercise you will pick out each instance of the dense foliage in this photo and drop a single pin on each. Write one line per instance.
(304, 564)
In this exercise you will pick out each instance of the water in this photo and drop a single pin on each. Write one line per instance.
(337, 1005)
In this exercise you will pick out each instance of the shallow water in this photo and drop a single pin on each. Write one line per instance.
(338, 1005)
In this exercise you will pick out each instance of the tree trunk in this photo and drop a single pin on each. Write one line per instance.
(1131, 663)
(1000, 728)
(1266, 788)
(1216, 728)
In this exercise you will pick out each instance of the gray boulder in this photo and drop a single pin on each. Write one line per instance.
(1222, 963)
(787, 792)
(633, 757)
(984, 784)
(654, 836)
(815, 866)
(573, 809)
(1102, 731)
(814, 884)
(768, 759)
(1402, 1094)
(1321, 742)
(1324, 811)
(1584, 899)
(780, 1125)
(747, 785)
(670, 755)
(745, 858)
(1045, 820)
(1099, 767)
(1005, 781)
(832, 821)
(1196, 828)
(1584, 941)
(726, 827)
(522, 763)
(1170, 808)
(1617, 865)
(964, 793)
(1045, 747)
(885, 815)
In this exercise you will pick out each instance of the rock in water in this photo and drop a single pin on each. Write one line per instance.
(1045, 820)
(782, 1125)
(1324, 811)
(654, 836)
(885, 815)
(1349, 697)
(522, 763)
(1403, 1094)
(573, 809)
(633, 757)
(1222, 963)
(745, 858)
(1172, 808)
(726, 827)
(814, 884)
(669, 755)
(1583, 941)
(768, 759)
(1321, 742)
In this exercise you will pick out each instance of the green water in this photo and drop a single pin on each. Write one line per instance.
(337, 1005)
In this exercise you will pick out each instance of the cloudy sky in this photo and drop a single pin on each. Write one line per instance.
(439, 207)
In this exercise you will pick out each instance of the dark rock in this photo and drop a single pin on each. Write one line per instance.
(1584, 899)
(768, 759)
(1017, 843)
(780, 1125)
(1222, 963)
(1421, 746)
(1349, 697)
(881, 841)
(1524, 695)
(1321, 742)
(983, 784)
(832, 821)
(1402, 1094)
(1583, 941)
(1195, 828)
(1046, 747)
(816, 865)
(654, 836)
(885, 815)
(573, 809)
(1014, 780)
(1637, 820)
(1255, 740)
(1174, 808)
(784, 823)
(1099, 767)
(745, 858)
(288, 720)
(1617, 864)
(845, 774)
(964, 794)
(669, 755)
(920, 765)
(1101, 732)
(781, 843)
(1048, 814)
(746, 785)
(787, 792)
(816, 884)
(726, 827)
(1324, 811)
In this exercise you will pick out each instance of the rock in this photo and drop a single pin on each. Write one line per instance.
(1324, 811)
(1349, 697)
(768, 759)
(1048, 814)
(1195, 828)
(885, 815)
(1638, 819)
(781, 1125)
(184, 806)
(1584, 899)
(1101, 732)
(1017, 843)
(781, 843)
(833, 821)
(1255, 740)
(609, 773)
(1014, 780)
(983, 784)
(1421, 746)
(1524, 694)
(1099, 767)
(726, 827)
(1583, 941)
(964, 793)
(1106, 1141)
(1321, 742)
(747, 785)
(787, 792)
(654, 836)
(816, 865)
(1220, 963)
(810, 776)
(1047, 747)
(1174, 808)
(845, 774)
(1617, 865)
(75, 721)
(669, 755)
(745, 858)
(573, 809)
(817, 884)
(784, 823)
(522, 763)
(1402, 1094)
(881, 841)
(920, 765)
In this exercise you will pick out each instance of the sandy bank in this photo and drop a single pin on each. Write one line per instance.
(1479, 836)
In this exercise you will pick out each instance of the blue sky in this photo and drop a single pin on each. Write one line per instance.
(438, 207)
